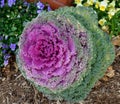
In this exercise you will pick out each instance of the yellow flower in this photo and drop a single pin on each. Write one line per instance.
(103, 5)
(78, 1)
(105, 28)
(86, 4)
(97, 4)
(89, 2)
(102, 21)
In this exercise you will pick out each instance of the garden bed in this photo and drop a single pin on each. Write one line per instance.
(14, 89)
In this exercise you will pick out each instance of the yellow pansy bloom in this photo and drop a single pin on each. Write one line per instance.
(97, 4)
(78, 1)
(86, 4)
(105, 28)
(90, 2)
(102, 21)
(103, 5)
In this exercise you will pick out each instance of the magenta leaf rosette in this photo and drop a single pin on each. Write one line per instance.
(63, 53)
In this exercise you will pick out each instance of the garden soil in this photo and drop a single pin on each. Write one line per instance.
(14, 89)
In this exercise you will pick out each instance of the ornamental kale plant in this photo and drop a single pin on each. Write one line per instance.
(63, 53)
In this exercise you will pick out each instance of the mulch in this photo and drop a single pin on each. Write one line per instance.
(14, 89)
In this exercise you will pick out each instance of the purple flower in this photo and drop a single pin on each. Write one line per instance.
(5, 62)
(26, 3)
(40, 5)
(1, 38)
(0, 44)
(11, 2)
(12, 46)
(6, 56)
(39, 11)
(48, 8)
(4, 46)
(3, 51)
(2, 2)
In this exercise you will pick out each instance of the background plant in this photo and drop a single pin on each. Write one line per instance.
(106, 9)
(114, 24)
(14, 14)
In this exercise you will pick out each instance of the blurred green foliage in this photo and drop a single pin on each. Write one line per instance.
(12, 22)
(12, 19)
(114, 24)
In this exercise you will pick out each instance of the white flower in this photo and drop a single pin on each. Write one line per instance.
(78, 2)
(112, 4)
(117, 9)
(112, 12)
(103, 5)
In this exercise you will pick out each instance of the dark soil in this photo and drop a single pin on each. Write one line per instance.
(14, 89)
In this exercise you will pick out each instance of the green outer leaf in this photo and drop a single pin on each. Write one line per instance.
(103, 52)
